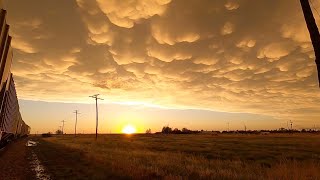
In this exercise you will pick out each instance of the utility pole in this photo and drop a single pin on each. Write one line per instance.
(75, 126)
(313, 31)
(63, 125)
(291, 124)
(96, 98)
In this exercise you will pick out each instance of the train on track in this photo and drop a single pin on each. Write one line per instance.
(12, 125)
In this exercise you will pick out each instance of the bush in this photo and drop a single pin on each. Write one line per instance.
(148, 131)
(58, 131)
(166, 130)
(47, 134)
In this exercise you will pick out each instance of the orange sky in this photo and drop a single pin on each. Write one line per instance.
(211, 55)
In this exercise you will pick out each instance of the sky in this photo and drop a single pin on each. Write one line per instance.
(183, 63)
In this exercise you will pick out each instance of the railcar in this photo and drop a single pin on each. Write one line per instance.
(11, 123)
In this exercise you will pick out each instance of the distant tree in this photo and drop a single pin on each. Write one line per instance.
(148, 131)
(185, 130)
(166, 130)
(176, 131)
(58, 131)
(46, 134)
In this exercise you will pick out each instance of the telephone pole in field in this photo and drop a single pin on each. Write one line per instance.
(63, 121)
(313, 31)
(75, 126)
(96, 98)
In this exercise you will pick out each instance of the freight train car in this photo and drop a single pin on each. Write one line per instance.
(11, 123)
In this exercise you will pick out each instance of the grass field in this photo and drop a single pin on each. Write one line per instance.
(290, 156)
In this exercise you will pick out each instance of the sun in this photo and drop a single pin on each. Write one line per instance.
(129, 129)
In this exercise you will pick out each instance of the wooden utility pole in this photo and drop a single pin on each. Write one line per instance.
(96, 98)
(313, 30)
(75, 126)
(63, 125)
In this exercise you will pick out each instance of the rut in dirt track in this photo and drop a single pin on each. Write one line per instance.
(15, 161)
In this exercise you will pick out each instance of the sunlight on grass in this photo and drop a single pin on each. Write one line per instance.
(160, 156)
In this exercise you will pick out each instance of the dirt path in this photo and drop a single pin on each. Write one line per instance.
(14, 161)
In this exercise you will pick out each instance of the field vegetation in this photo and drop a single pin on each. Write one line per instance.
(194, 156)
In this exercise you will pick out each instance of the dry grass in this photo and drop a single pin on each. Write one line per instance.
(186, 156)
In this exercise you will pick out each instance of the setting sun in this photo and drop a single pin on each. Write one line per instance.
(129, 129)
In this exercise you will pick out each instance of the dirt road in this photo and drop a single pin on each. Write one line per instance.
(14, 161)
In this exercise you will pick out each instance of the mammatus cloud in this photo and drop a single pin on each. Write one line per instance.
(127, 13)
(234, 56)
(247, 43)
(23, 46)
(275, 51)
(231, 5)
(227, 28)
(166, 38)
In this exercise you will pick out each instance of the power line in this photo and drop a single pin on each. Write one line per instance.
(96, 98)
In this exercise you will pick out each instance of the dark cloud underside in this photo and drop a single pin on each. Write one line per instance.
(225, 55)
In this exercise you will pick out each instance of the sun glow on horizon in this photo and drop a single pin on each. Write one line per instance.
(129, 129)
